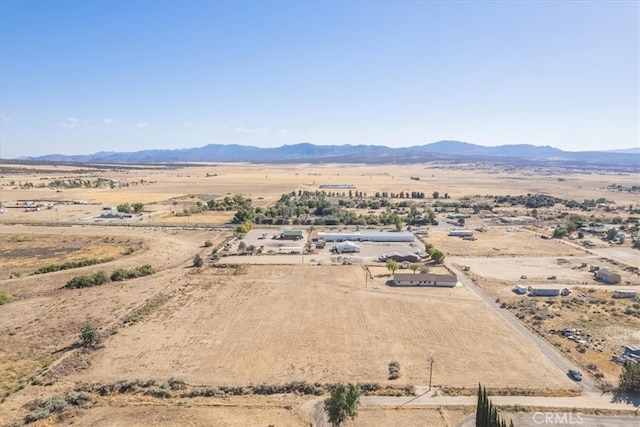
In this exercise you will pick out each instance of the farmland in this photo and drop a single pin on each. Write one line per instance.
(272, 319)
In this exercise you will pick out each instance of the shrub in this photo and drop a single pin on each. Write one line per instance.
(90, 335)
(160, 392)
(197, 261)
(71, 264)
(95, 279)
(208, 244)
(394, 370)
(78, 397)
(5, 297)
(176, 384)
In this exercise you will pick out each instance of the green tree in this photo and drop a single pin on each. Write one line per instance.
(137, 207)
(414, 267)
(437, 256)
(124, 208)
(559, 232)
(90, 335)
(424, 270)
(436, 194)
(242, 247)
(630, 378)
(392, 266)
(611, 233)
(343, 404)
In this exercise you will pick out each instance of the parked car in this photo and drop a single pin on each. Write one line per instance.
(575, 375)
(523, 277)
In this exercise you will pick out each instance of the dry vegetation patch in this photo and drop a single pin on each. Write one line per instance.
(282, 323)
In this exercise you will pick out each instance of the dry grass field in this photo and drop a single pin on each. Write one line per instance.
(268, 323)
(276, 324)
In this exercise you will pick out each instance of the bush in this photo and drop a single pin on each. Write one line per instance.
(95, 279)
(394, 370)
(208, 244)
(197, 261)
(176, 384)
(5, 297)
(78, 397)
(90, 335)
(123, 274)
(71, 264)
(160, 392)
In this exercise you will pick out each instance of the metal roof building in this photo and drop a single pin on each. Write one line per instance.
(367, 236)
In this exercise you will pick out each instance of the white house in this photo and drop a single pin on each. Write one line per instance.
(433, 280)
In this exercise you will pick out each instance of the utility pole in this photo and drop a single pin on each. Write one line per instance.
(430, 369)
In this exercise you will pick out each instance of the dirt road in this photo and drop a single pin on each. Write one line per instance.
(556, 358)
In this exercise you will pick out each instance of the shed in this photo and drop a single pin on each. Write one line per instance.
(519, 289)
(607, 276)
(347, 247)
(624, 294)
(461, 233)
(292, 235)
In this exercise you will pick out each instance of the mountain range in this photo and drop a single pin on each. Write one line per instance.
(453, 151)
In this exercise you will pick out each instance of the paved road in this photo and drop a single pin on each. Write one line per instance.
(547, 349)
(563, 419)
(572, 419)
(600, 401)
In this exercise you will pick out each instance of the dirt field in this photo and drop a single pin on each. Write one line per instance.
(269, 323)
(282, 323)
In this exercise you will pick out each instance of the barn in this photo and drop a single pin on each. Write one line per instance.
(418, 280)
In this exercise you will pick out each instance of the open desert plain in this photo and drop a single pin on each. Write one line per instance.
(170, 294)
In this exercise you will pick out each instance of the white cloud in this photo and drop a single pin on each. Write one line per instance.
(242, 129)
(285, 133)
(69, 123)
(192, 125)
(142, 125)
(109, 121)
(6, 119)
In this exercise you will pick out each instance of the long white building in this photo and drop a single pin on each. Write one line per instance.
(367, 236)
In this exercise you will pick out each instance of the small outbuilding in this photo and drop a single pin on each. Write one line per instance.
(291, 235)
(607, 276)
(346, 247)
(625, 294)
(519, 289)
(461, 233)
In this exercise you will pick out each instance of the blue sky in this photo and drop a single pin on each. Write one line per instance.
(79, 77)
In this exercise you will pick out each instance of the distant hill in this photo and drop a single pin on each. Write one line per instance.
(454, 151)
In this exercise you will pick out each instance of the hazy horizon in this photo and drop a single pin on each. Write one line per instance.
(83, 77)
